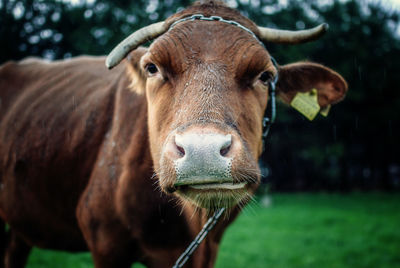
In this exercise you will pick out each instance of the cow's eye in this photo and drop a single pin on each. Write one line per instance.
(151, 68)
(265, 77)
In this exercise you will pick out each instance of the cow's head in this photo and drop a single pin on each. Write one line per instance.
(206, 85)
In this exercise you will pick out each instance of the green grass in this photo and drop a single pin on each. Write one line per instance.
(304, 230)
(298, 230)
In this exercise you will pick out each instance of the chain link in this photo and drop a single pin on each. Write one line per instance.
(200, 237)
(215, 18)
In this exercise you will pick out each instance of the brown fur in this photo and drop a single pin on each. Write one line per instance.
(79, 144)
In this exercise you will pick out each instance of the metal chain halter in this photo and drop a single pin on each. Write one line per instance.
(200, 237)
(270, 119)
(214, 18)
(267, 122)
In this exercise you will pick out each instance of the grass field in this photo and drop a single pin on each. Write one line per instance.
(297, 230)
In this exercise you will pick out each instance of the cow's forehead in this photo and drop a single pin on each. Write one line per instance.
(193, 42)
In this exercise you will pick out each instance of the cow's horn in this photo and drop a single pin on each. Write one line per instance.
(291, 37)
(130, 43)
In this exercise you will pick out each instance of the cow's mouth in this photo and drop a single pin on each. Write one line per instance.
(218, 186)
(215, 195)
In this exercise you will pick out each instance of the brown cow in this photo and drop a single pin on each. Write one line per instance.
(79, 144)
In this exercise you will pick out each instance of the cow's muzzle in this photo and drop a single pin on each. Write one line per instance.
(203, 160)
(208, 167)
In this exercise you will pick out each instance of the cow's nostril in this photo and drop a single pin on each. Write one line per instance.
(226, 146)
(179, 146)
(180, 150)
(224, 151)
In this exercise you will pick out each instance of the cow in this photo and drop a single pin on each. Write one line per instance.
(130, 162)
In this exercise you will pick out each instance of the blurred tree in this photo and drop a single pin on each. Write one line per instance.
(356, 147)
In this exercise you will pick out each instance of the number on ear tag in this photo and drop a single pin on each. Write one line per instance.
(306, 103)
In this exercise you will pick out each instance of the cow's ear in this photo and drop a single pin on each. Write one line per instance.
(311, 77)
(135, 72)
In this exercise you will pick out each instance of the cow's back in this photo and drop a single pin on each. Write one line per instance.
(53, 120)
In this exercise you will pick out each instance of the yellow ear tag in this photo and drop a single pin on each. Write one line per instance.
(325, 111)
(306, 103)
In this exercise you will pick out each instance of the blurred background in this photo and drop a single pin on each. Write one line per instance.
(354, 150)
